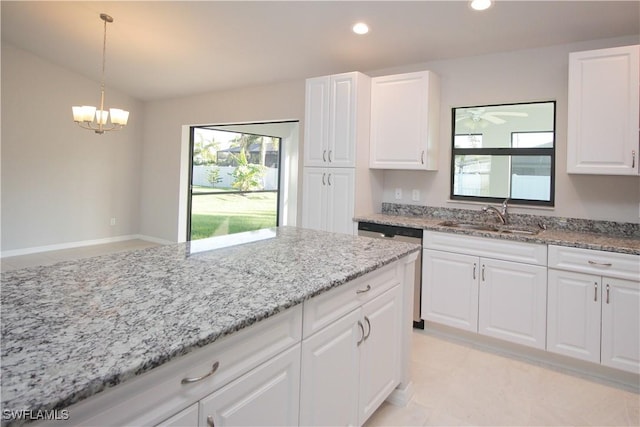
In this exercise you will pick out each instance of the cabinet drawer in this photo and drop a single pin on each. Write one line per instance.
(507, 250)
(159, 393)
(610, 264)
(325, 308)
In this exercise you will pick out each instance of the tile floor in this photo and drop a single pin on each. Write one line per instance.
(456, 384)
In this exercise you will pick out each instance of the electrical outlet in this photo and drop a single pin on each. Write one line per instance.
(113, 222)
(398, 193)
(415, 195)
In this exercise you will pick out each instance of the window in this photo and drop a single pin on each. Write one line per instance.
(504, 151)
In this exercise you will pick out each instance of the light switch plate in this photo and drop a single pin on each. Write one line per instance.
(398, 193)
(415, 195)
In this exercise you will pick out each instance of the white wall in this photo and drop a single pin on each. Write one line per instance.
(522, 76)
(62, 184)
(163, 135)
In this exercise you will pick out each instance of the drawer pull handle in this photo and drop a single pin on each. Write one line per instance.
(210, 422)
(601, 264)
(361, 330)
(366, 319)
(595, 292)
(362, 291)
(214, 368)
(607, 294)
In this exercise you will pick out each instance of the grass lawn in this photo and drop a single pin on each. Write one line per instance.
(219, 214)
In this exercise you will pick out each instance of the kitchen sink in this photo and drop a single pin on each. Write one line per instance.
(506, 229)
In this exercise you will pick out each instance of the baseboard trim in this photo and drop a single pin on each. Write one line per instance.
(79, 244)
(401, 396)
(587, 370)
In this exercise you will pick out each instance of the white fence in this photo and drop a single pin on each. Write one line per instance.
(201, 174)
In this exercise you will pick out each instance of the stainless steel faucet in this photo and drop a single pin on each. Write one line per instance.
(502, 213)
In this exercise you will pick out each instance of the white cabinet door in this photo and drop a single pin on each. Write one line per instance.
(450, 289)
(621, 324)
(380, 351)
(602, 134)
(314, 198)
(513, 302)
(331, 119)
(405, 111)
(573, 323)
(265, 396)
(186, 417)
(330, 357)
(339, 206)
(316, 121)
(328, 199)
(341, 145)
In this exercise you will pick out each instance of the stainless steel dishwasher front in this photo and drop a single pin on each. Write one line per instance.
(403, 234)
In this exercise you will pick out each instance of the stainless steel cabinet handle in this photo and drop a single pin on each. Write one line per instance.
(607, 301)
(474, 271)
(323, 175)
(366, 319)
(330, 156)
(210, 422)
(633, 159)
(329, 179)
(214, 368)
(362, 291)
(601, 264)
(422, 157)
(324, 155)
(483, 272)
(595, 292)
(361, 330)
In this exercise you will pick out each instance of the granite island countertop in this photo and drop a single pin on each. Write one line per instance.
(585, 240)
(72, 329)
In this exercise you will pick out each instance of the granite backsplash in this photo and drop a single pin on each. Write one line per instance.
(611, 228)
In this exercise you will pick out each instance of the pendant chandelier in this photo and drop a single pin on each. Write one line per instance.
(91, 118)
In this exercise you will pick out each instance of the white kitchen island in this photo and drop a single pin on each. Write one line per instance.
(200, 333)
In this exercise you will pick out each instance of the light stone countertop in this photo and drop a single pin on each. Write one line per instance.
(72, 329)
(594, 241)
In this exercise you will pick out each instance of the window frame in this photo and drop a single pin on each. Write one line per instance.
(504, 151)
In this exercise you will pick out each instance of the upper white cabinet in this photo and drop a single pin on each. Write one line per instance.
(602, 134)
(405, 110)
(336, 109)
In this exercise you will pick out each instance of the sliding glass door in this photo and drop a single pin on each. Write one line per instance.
(234, 182)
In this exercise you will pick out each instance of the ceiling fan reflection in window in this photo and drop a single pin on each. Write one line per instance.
(480, 117)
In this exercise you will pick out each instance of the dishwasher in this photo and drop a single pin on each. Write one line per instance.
(402, 234)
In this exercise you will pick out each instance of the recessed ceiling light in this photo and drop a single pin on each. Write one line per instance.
(361, 28)
(481, 4)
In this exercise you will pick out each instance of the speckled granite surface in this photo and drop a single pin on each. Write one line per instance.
(601, 235)
(74, 328)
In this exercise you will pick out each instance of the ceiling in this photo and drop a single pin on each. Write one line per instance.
(167, 49)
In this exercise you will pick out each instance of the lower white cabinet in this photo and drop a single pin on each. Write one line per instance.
(328, 200)
(265, 396)
(595, 318)
(361, 353)
(497, 298)
(186, 417)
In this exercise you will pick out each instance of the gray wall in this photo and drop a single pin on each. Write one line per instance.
(62, 184)
(522, 76)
